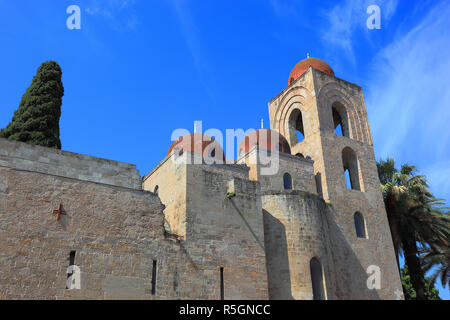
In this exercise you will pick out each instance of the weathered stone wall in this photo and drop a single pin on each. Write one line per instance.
(300, 226)
(227, 233)
(23, 156)
(170, 178)
(295, 226)
(118, 232)
(314, 94)
(300, 169)
(377, 249)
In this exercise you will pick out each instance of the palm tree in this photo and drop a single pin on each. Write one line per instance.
(415, 217)
(440, 257)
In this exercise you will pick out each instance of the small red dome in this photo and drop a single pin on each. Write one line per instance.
(301, 67)
(263, 138)
(198, 143)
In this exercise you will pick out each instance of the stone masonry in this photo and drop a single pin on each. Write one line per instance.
(202, 230)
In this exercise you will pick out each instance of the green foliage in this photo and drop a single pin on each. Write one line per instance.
(36, 121)
(410, 294)
(416, 218)
(231, 195)
(440, 258)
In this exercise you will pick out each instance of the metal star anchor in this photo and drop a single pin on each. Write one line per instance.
(59, 212)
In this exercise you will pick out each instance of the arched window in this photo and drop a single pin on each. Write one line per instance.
(287, 181)
(300, 155)
(213, 153)
(318, 178)
(296, 130)
(360, 226)
(340, 119)
(317, 279)
(156, 191)
(350, 163)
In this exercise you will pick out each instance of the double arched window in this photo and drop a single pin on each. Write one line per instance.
(296, 129)
(351, 171)
(340, 123)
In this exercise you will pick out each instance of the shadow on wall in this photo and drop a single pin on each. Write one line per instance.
(345, 277)
(247, 224)
(278, 273)
(350, 275)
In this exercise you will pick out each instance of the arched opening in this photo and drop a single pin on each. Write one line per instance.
(340, 123)
(360, 225)
(300, 155)
(156, 190)
(287, 181)
(318, 178)
(296, 129)
(317, 279)
(350, 163)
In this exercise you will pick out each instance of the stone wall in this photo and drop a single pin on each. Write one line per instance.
(227, 232)
(300, 169)
(314, 94)
(33, 158)
(117, 233)
(300, 226)
(170, 178)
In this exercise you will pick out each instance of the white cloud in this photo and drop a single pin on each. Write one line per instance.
(119, 13)
(438, 175)
(194, 44)
(345, 19)
(408, 98)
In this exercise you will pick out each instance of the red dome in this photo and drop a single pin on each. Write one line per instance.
(263, 138)
(199, 143)
(301, 67)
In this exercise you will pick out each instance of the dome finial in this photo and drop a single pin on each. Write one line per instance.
(307, 55)
(262, 123)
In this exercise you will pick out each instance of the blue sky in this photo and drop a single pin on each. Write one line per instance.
(138, 69)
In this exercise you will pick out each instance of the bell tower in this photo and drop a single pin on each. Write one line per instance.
(324, 118)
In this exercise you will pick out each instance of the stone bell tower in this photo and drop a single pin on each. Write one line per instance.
(324, 118)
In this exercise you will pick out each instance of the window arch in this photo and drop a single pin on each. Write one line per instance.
(360, 226)
(156, 190)
(287, 181)
(340, 122)
(317, 282)
(300, 155)
(296, 129)
(351, 170)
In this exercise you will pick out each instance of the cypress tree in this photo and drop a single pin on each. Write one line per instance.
(36, 121)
